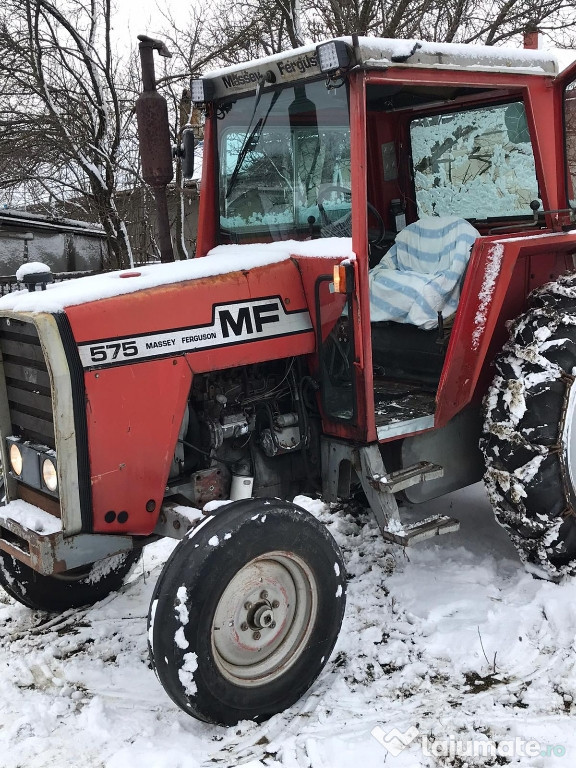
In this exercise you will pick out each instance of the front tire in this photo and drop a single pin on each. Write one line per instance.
(247, 611)
(72, 589)
(529, 438)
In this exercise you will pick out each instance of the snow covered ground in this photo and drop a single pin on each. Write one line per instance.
(456, 647)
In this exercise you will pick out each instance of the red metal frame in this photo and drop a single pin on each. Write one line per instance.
(207, 210)
(517, 265)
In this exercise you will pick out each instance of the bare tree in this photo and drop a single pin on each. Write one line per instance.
(247, 29)
(467, 21)
(66, 106)
(67, 128)
(68, 137)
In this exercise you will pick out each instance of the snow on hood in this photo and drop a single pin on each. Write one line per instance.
(219, 261)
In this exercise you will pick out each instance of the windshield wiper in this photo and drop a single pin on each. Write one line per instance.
(252, 137)
(249, 143)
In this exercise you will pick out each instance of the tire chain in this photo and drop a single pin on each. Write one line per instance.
(525, 413)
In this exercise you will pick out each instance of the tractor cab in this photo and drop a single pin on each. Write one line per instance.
(423, 154)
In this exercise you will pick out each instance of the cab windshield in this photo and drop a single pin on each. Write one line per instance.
(284, 163)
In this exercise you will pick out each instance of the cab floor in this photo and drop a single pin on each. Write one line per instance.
(396, 401)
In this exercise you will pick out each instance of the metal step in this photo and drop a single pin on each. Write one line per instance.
(424, 529)
(380, 487)
(404, 478)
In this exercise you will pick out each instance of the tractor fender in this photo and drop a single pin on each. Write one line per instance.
(501, 273)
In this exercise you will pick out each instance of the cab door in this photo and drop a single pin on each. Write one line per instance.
(565, 83)
(343, 325)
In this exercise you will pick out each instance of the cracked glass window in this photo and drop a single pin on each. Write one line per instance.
(476, 164)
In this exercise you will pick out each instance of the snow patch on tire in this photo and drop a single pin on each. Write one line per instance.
(102, 568)
(186, 673)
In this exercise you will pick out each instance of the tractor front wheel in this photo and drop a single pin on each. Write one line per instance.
(529, 438)
(71, 589)
(246, 611)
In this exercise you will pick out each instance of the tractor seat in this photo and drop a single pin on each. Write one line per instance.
(418, 278)
(422, 272)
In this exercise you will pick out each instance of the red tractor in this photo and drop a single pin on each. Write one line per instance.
(375, 215)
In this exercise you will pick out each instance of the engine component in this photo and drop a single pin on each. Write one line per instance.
(286, 420)
(234, 425)
(282, 436)
(242, 481)
(229, 425)
(223, 412)
(210, 484)
(282, 441)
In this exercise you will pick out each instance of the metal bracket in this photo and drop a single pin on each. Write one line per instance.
(370, 468)
(53, 553)
(175, 520)
(50, 553)
(339, 458)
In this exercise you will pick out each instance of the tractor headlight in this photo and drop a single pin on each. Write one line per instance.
(201, 91)
(333, 56)
(33, 465)
(16, 462)
(49, 476)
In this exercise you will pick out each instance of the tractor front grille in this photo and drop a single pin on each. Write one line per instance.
(27, 382)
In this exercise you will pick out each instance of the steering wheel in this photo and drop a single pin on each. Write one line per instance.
(344, 223)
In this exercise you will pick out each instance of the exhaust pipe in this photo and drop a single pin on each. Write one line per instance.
(154, 140)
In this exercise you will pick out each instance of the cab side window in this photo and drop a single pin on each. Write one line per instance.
(570, 140)
(476, 164)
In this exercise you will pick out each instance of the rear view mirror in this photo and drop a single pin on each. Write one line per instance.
(187, 153)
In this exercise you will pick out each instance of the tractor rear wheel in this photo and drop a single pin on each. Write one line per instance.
(529, 440)
(246, 611)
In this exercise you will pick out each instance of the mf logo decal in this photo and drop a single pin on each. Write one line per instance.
(232, 324)
(251, 318)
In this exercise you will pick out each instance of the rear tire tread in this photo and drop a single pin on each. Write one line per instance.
(524, 419)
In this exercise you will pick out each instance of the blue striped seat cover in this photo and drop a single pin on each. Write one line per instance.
(422, 272)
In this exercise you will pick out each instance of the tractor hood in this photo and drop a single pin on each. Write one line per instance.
(223, 259)
(233, 297)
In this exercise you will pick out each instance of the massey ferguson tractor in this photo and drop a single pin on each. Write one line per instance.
(381, 306)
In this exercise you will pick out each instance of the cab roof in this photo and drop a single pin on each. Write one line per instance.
(382, 53)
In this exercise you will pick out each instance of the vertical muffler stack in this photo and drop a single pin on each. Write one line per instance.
(154, 139)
